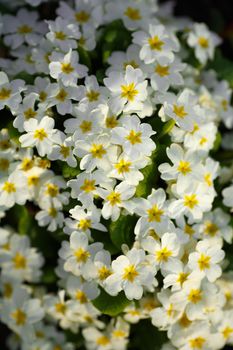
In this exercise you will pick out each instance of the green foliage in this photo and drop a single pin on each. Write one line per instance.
(223, 67)
(146, 336)
(122, 230)
(111, 305)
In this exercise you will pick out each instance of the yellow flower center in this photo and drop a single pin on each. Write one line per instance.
(67, 68)
(204, 262)
(227, 331)
(208, 179)
(162, 71)
(163, 254)
(134, 137)
(33, 180)
(203, 42)
(133, 13)
(118, 333)
(190, 200)
(81, 297)
(184, 167)
(189, 230)
(103, 273)
(19, 316)
(85, 126)
(29, 113)
(65, 151)
(197, 343)
(103, 340)
(4, 164)
(195, 295)
(210, 228)
(5, 93)
(224, 104)
(155, 43)
(203, 140)
(179, 111)
(128, 91)
(93, 95)
(52, 212)
(154, 213)
(97, 151)
(61, 96)
(81, 255)
(24, 29)
(182, 277)
(42, 96)
(7, 290)
(20, 262)
(84, 224)
(111, 122)
(27, 164)
(88, 185)
(40, 134)
(170, 310)
(60, 35)
(9, 187)
(52, 190)
(132, 63)
(123, 166)
(114, 198)
(82, 16)
(130, 273)
(184, 321)
(60, 308)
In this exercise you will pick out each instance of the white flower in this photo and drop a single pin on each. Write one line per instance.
(162, 76)
(228, 196)
(14, 189)
(206, 259)
(10, 92)
(193, 200)
(95, 152)
(22, 312)
(64, 151)
(23, 28)
(215, 224)
(152, 212)
(182, 109)
(66, 67)
(27, 111)
(116, 199)
(83, 220)
(130, 274)
(40, 134)
(163, 253)
(78, 255)
(157, 44)
(63, 34)
(128, 91)
(184, 163)
(52, 218)
(203, 41)
(134, 137)
(85, 185)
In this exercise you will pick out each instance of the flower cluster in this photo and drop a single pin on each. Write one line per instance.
(113, 126)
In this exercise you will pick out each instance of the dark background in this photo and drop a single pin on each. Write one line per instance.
(218, 15)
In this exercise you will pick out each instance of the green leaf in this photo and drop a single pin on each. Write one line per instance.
(217, 142)
(70, 172)
(110, 305)
(223, 67)
(122, 230)
(145, 336)
(150, 173)
(84, 57)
